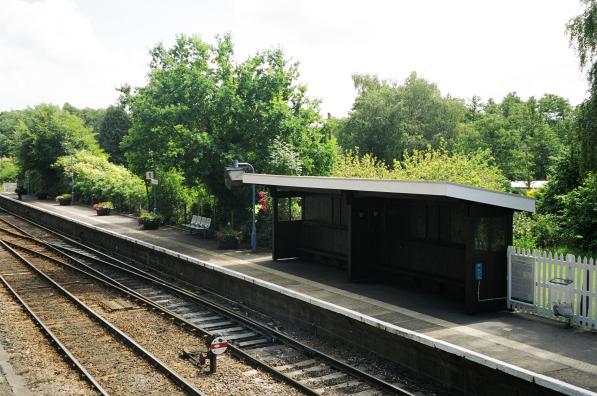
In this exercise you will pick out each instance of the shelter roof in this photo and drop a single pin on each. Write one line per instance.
(403, 187)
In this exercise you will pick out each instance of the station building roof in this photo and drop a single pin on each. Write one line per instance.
(402, 187)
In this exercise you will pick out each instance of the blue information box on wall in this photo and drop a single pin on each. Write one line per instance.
(478, 271)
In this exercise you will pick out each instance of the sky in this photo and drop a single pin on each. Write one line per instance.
(80, 51)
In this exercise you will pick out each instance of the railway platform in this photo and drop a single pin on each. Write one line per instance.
(540, 346)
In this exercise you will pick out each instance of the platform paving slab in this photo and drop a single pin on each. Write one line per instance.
(10, 382)
(536, 344)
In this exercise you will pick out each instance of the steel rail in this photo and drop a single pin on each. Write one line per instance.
(62, 349)
(187, 387)
(272, 333)
(99, 276)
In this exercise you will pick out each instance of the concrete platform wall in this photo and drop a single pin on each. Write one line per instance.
(460, 370)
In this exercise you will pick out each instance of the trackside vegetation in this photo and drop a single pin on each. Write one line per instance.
(201, 108)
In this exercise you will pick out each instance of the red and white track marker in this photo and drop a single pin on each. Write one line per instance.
(218, 346)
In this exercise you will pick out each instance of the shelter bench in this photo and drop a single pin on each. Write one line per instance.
(199, 223)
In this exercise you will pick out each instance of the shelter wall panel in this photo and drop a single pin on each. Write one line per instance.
(324, 237)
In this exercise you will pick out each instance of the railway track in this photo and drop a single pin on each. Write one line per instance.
(309, 370)
(110, 361)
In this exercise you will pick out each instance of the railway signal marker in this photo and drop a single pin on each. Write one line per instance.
(218, 346)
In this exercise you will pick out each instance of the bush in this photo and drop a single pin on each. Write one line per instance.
(474, 169)
(523, 236)
(9, 170)
(538, 231)
(97, 179)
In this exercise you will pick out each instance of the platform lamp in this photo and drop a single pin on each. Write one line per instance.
(233, 177)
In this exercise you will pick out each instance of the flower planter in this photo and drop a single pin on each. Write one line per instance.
(228, 244)
(103, 211)
(63, 203)
(150, 225)
(150, 221)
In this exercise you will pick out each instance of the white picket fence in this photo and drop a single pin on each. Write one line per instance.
(539, 280)
(9, 187)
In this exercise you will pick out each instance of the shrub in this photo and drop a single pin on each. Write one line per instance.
(523, 236)
(97, 179)
(9, 170)
(538, 231)
(474, 169)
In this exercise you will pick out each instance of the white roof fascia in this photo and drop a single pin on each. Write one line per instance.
(434, 188)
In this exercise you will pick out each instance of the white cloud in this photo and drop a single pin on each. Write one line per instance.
(51, 54)
(62, 50)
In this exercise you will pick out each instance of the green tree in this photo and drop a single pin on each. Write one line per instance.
(525, 138)
(586, 130)
(200, 110)
(9, 121)
(582, 31)
(389, 119)
(45, 134)
(92, 118)
(580, 215)
(283, 159)
(114, 126)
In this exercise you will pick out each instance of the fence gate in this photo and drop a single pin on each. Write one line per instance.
(553, 286)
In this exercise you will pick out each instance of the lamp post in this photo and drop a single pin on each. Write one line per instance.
(236, 164)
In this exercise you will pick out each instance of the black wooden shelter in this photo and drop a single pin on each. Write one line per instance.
(448, 234)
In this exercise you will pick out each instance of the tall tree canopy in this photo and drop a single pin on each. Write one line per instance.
(525, 138)
(44, 134)
(200, 110)
(583, 37)
(9, 121)
(92, 118)
(388, 119)
(115, 124)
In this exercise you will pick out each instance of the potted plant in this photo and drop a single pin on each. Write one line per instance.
(103, 208)
(149, 220)
(228, 237)
(64, 199)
